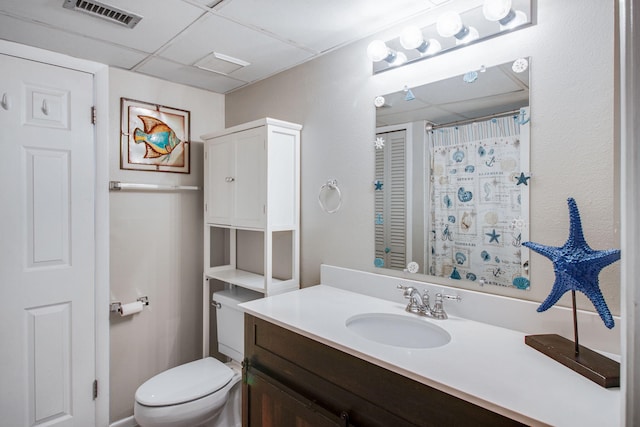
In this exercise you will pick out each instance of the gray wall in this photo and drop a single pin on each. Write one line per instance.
(156, 246)
(572, 136)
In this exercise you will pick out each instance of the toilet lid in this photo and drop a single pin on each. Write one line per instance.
(184, 383)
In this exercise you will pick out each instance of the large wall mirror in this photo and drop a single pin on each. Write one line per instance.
(452, 177)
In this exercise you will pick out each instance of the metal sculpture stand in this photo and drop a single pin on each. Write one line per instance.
(588, 363)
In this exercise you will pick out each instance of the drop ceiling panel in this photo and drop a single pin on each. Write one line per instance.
(322, 25)
(265, 54)
(191, 76)
(159, 23)
(59, 41)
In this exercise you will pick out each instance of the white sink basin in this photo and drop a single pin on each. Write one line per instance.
(398, 331)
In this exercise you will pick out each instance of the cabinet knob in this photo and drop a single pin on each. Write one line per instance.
(229, 179)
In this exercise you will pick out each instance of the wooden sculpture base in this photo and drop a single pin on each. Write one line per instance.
(586, 362)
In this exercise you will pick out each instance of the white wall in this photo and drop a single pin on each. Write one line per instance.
(572, 132)
(156, 246)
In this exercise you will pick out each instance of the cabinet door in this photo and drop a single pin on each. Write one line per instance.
(220, 178)
(270, 404)
(250, 178)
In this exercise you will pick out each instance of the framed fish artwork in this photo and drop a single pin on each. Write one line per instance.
(154, 137)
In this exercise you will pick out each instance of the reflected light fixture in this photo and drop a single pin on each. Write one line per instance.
(401, 59)
(450, 24)
(501, 11)
(412, 38)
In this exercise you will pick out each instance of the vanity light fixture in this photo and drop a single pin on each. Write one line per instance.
(501, 11)
(453, 29)
(450, 24)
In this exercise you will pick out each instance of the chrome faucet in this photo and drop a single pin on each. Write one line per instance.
(416, 301)
(420, 305)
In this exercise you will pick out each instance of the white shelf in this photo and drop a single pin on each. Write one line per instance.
(242, 278)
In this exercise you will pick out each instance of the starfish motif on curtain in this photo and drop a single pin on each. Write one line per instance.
(577, 267)
(522, 179)
(493, 237)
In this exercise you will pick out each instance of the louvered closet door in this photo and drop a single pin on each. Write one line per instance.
(391, 201)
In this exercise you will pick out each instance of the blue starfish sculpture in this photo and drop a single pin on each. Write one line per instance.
(577, 266)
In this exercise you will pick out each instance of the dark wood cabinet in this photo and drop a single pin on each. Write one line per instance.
(291, 380)
(275, 405)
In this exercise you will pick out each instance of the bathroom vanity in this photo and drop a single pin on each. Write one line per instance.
(289, 378)
(302, 362)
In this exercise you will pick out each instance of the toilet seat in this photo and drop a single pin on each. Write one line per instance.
(184, 383)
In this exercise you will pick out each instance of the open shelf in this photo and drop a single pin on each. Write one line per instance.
(242, 278)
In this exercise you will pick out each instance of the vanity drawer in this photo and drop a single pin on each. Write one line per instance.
(339, 382)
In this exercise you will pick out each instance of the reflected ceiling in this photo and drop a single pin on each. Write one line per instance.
(495, 90)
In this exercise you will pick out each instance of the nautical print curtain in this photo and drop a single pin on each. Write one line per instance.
(478, 186)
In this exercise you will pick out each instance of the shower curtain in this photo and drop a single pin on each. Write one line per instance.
(478, 202)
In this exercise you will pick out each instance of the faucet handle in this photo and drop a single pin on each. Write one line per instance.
(438, 307)
(456, 298)
(408, 290)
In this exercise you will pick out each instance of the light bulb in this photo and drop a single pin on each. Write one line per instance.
(495, 10)
(449, 24)
(400, 59)
(411, 38)
(470, 36)
(433, 47)
(378, 51)
(518, 19)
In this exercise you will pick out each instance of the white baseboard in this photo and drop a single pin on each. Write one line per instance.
(125, 422)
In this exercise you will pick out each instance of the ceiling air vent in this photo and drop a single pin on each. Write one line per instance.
(220, 63)
(104, 11)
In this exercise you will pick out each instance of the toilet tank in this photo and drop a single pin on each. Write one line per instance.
(230, 320)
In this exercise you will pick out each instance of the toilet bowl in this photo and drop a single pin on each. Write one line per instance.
(190, 395)
(205, 392)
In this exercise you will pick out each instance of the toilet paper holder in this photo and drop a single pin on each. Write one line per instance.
(115, 306)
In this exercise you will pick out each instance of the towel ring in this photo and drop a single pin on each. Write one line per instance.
(331, 185)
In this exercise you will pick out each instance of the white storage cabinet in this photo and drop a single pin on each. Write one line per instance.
(252, 185)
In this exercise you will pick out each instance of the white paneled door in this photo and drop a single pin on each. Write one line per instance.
(47, 169)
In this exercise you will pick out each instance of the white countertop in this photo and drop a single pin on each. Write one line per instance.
(483, 364)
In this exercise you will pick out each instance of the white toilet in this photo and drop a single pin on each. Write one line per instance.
(206, 392)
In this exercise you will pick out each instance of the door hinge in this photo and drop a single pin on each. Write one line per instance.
(205, 207)
(95, 389)
(93, 115)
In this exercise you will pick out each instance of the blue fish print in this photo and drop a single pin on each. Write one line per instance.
(157, 136)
